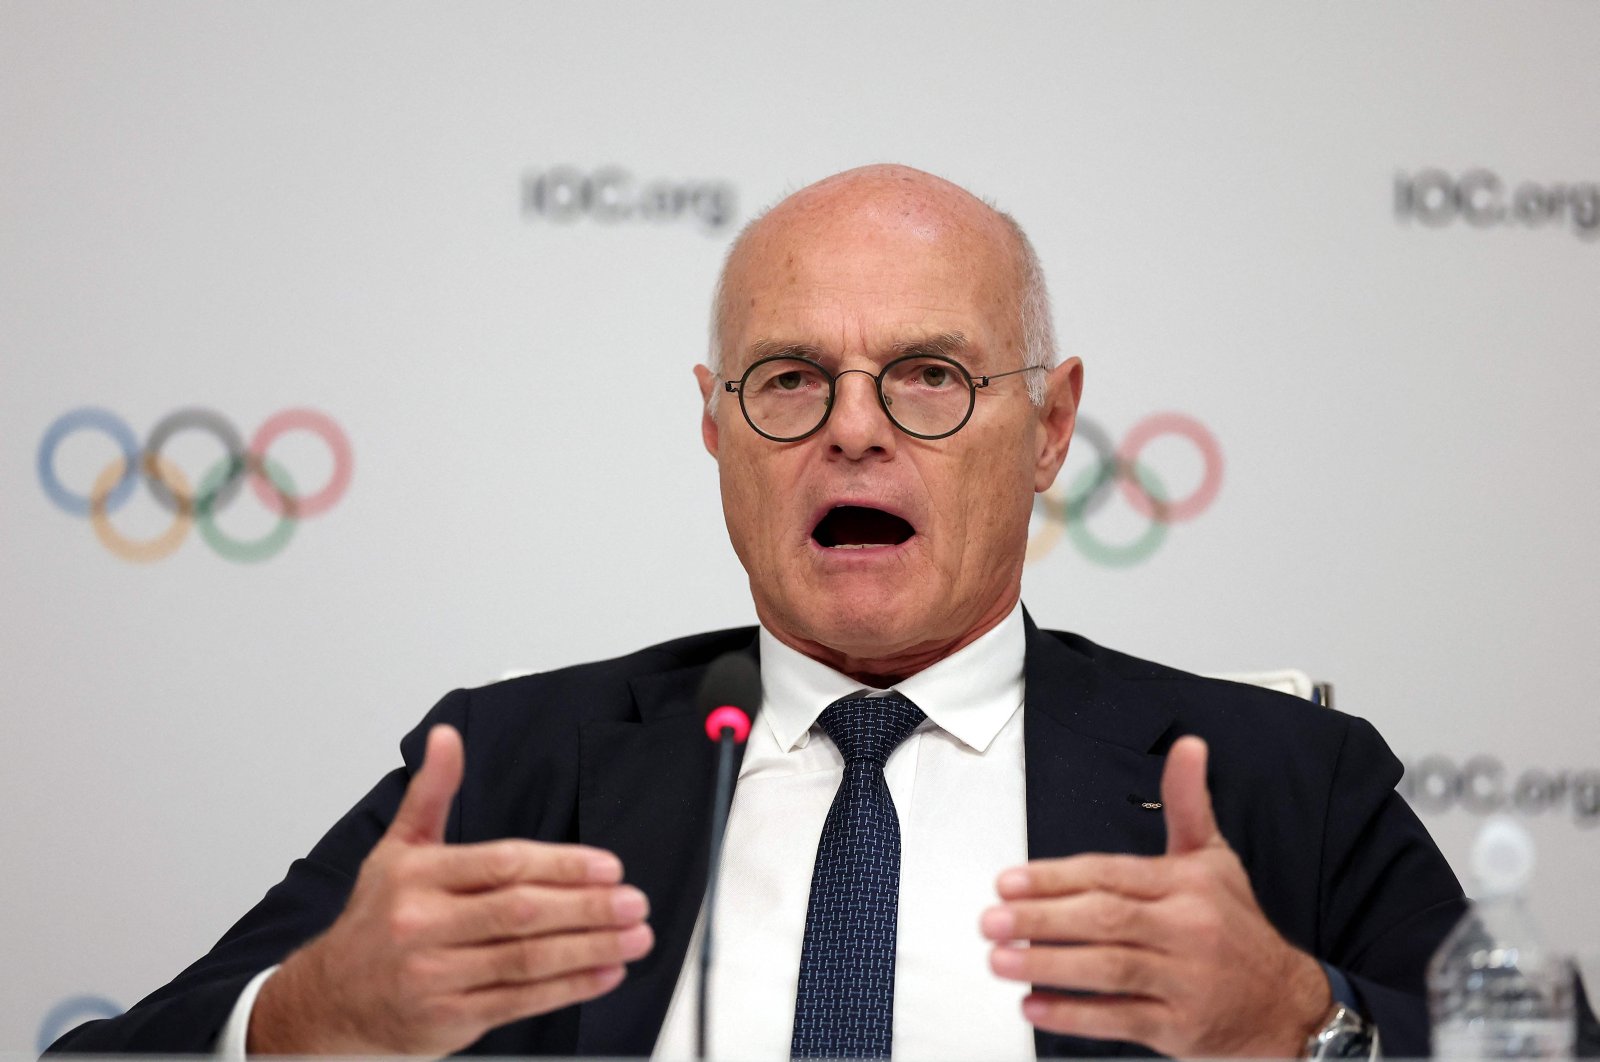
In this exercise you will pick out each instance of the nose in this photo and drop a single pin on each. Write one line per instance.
(857, 426)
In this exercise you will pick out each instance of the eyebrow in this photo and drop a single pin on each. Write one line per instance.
(777, 348)
(944, 344)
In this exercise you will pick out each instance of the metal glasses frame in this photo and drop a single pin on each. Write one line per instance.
(972, 382)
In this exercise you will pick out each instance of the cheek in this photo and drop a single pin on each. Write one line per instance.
(753, 500)
(996, 503)
(741, 503)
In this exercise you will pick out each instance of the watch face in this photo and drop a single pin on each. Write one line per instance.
(1348, 1045)
(1344, 1036)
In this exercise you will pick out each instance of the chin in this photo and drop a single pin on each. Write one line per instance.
(865, 626)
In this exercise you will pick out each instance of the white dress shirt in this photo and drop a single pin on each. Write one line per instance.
(957, 785)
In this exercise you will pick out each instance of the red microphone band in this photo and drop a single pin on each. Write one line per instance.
(730, 718)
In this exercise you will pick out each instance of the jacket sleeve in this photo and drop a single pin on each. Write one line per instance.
(187, 1015)
(1388, 897)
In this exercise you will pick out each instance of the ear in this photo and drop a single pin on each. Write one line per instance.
(708, 424)
(1056, 419)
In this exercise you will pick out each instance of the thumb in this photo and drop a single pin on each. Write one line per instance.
(425, 808)
(1185, 800)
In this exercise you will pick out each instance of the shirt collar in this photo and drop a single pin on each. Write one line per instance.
(971, 693)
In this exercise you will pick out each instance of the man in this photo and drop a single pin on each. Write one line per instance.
(883, 402)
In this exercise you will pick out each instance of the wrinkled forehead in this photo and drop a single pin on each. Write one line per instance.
(868, 274)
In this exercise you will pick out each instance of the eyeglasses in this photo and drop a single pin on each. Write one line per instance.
(786, 398)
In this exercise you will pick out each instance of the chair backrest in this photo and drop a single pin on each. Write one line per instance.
(1286, 680)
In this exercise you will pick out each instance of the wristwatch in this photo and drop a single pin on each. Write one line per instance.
(1345, 1034)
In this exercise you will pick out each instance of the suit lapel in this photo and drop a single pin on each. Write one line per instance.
(1093, 757)
(644, 792)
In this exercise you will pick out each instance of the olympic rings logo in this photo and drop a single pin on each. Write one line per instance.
(198, 506)
(1117, 469)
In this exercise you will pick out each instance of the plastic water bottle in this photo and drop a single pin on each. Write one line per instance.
(1494, 989)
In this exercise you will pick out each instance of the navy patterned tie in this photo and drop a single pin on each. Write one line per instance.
(845, 1006)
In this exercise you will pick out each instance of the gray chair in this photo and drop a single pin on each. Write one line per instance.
(1288, 680)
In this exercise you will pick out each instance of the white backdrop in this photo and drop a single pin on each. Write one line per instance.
(1246, 214)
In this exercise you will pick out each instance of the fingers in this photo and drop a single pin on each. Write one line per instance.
(542, 958)
(496, 864)
(1127, 875)
(1185, 799)
(1128, 1018)
(1092, 917)
(1109, 970)
(425, 808)
(501, 1004)
(534, 910)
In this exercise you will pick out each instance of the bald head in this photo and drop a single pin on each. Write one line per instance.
(873, 209)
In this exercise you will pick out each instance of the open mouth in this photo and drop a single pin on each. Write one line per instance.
(860, 527)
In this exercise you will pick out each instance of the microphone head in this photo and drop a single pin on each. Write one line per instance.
(729, 695)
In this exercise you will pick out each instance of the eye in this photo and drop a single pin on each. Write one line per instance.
(785, 376)
(926, 374)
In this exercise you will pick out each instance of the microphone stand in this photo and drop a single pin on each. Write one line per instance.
(726, 743)
(728, 726)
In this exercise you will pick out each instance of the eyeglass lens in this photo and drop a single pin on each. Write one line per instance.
(788, 397)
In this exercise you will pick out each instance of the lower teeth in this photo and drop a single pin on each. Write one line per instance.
(860, 545)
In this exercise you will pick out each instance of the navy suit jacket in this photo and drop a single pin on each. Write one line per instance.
(612, 754)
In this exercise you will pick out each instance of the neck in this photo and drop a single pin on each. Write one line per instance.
(881, 671)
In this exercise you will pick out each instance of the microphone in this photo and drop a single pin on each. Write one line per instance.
(729, 695)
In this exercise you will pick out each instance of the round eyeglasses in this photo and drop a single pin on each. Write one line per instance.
(786, 398)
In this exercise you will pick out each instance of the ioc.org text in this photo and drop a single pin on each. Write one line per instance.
(1483, 199)
(1483, 785)
(613, 196)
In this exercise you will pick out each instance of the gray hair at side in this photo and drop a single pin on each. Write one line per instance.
(1037, 324)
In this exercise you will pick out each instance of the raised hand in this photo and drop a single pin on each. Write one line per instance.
(1174, 948)
(440, 943)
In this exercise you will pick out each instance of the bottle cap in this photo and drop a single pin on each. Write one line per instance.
(1502, 857)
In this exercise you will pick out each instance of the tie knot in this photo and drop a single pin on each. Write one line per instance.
(867, 729)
